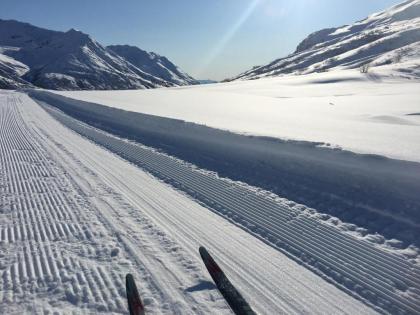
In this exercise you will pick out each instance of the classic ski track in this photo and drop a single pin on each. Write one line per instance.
(260, 287)
(151, 276)
(265, 297)
(163, 218)
(38, 218)
(358, 266)
(42, 224)
(83, 203)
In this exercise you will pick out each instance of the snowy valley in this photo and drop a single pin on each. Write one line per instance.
(301, 177)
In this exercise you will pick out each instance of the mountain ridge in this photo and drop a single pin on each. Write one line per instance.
(71, 60)
(152, 63)
(387, 37)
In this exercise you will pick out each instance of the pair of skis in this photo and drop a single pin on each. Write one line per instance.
(232, 296)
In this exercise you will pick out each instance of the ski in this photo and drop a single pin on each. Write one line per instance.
(135, 304)
(232, 296)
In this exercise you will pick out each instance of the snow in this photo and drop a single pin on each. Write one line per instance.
(346, 109)
(68, 206)
(304, 188)
(11, 70)
(14, 65)
(366, 199)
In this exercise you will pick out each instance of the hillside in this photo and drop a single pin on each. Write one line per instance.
(153, 63)
(10, 72)
(387, 40)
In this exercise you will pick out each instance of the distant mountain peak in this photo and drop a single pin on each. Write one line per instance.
(77, 34)
(73, 30)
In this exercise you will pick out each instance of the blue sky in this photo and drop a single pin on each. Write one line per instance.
(207, 38)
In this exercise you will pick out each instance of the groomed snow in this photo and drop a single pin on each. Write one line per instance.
(75, 218)
(371, 113)
(358, 190)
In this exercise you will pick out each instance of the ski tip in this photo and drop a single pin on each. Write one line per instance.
(232, 296)
(202, 250)
(129, 277)
(205, 256)
(209, 262)
(135, 304)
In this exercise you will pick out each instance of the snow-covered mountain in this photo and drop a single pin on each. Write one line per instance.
(11, 71)
(153, 63)
(67, 61)
(389, 39)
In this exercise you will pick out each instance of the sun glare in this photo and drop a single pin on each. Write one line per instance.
(219, 47)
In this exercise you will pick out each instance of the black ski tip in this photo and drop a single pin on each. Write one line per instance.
(135, 304)
(203, 251)
(205, 255)
(232, 296)
(129, 278)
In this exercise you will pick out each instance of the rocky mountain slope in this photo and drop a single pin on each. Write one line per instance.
(70, 60)
(390, 38)
(153, 63)
(11, 71)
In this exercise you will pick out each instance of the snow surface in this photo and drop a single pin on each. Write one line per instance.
(75, 218)
(372, 113)
(364, 198)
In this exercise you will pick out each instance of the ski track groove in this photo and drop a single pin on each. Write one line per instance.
(51, 242)
(254, 284)
(357, 266)
(156, 283)
(290, 308)
(36, 217)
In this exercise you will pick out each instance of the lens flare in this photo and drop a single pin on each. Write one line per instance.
(228, 36)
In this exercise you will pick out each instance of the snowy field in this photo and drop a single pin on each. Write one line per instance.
(365, 114)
